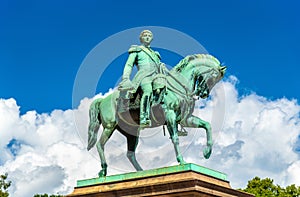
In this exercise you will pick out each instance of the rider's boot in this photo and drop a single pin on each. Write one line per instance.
(156, 95)
(144, 111)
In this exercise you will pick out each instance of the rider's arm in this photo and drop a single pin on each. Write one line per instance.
(129, 65)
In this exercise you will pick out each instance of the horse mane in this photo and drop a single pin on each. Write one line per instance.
(208, 59)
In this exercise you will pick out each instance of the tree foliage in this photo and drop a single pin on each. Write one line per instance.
(4, 185)
(266, 188)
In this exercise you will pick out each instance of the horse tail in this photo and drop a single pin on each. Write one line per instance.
(94, 124)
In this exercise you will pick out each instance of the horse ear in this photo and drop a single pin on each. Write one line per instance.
(223, 68)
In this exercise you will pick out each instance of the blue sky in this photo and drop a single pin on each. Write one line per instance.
(43, 43)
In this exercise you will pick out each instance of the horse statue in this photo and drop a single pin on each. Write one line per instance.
(193, 77)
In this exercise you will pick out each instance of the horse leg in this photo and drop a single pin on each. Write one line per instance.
(106, 134)
(173, 130)
(196, 122)
(94, 124)
(132, 142)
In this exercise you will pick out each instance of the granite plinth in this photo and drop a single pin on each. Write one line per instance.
(180, 181)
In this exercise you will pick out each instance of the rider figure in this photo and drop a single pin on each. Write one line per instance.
(148, 65)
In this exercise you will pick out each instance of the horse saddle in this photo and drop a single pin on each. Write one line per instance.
(128, 101)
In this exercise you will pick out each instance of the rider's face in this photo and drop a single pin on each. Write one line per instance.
(146, 38)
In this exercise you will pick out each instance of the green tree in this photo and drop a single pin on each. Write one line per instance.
(292, 190)
(4, 185)
(266, 188)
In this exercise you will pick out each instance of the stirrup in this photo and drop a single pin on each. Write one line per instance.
(182, 131)
(145, 122)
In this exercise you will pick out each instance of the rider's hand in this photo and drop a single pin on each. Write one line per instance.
(126, 84)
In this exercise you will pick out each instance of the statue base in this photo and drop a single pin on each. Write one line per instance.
(181, 180)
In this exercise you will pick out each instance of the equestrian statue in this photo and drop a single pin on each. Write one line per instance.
(155, 97)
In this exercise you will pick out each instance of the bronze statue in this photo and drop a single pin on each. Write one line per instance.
(193, 77)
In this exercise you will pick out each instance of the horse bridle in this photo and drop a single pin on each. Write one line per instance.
(203, 83)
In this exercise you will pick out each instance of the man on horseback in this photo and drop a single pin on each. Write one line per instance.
(149, 65)
(195, 75)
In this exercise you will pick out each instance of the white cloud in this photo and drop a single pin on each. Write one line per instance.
(253, 136)
(33, 173)
(47, 152)
(258, 138)
(293, 172)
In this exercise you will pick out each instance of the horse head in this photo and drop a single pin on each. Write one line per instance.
(202, 72)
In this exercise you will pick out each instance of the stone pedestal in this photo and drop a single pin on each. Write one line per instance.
(180, 181)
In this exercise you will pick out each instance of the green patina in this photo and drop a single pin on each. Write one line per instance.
(154, 97)
(153, 172)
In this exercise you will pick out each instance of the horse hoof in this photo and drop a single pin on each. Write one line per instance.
(102, 173)
(180, 160)
(207, 152)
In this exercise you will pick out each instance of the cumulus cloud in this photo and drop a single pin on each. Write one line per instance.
(42, 153)
(253, 136)
(258, 137)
